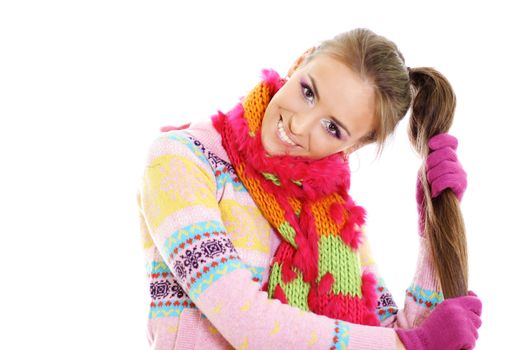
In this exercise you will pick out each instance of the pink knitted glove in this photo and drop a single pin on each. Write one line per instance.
(443, 171)
(171, 127)
(443, 167)
(453, 325)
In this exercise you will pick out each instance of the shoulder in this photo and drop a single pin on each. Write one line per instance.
(177, 144)
(197, 148)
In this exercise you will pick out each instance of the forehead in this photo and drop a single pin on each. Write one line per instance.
(343, 94)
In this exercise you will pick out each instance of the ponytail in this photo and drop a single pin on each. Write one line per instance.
(378, 60)
(432, 113)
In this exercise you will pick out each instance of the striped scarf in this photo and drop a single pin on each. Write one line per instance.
(316, 266)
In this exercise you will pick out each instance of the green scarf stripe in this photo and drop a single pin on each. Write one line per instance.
(297, 182)
(296, 291)
(288, 232)
(343, 268)
(272, 178)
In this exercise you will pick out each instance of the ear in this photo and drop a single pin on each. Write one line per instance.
(298, 62)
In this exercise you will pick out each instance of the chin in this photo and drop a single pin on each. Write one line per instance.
(268, 147)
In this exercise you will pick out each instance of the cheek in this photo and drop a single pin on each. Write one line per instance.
(269, 116)
(325, 145)
(269, 122)
(289, 100)
(296, 104)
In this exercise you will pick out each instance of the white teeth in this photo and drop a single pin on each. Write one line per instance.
(282, 134)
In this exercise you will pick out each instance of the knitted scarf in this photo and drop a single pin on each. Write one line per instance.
(316, 266)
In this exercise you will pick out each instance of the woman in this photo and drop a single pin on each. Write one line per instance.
(251, 238)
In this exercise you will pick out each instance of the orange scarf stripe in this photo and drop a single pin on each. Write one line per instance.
(324, 223)
(266, 201)
(254, 107)
(295, 204)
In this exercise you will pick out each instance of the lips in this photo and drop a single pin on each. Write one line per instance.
(283, 135)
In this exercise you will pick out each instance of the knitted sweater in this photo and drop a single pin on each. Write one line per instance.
(208, 250)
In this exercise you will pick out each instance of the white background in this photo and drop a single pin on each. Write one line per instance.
(85, 85)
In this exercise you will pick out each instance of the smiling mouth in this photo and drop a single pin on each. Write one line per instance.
(282, 134)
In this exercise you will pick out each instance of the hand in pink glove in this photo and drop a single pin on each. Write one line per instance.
(453, 325)
(443, 171)
(443, 168)
(171, 127)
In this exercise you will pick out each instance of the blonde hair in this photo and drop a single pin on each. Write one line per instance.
(378, 61)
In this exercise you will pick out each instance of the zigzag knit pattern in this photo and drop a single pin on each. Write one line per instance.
(316, 267)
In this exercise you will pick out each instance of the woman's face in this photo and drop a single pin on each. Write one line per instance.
(323, 109)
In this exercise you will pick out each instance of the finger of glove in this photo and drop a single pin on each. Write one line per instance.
(471, 336)
(171, 127)
(444, 168)
(456, 183)
(474, 333)
(468, 337)
(475, 319)
(470, 303)
(437, 156)
(468, 343)
(443, 140)
(464, 342)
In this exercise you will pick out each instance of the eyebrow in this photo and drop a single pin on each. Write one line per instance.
(314, 86)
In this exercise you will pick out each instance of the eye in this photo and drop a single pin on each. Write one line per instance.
(331, 128)
(307, 92)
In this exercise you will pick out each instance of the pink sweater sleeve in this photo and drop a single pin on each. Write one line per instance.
(422, 296)
(183, 217)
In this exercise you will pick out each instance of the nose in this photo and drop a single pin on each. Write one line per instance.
(301, 124)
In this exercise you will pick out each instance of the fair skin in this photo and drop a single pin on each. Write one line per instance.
(324, 108)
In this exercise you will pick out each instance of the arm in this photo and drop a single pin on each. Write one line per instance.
(422, 296)
(452, 323)
(183, 216)
(425, 293)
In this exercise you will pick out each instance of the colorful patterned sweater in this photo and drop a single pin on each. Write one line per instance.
(208, 250)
